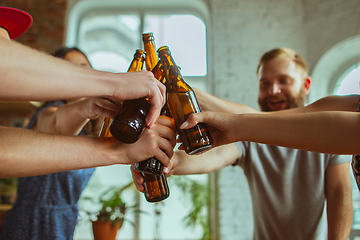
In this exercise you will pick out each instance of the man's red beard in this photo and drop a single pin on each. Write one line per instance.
(292, 102)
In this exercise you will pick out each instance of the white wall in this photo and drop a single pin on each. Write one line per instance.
(242, 31)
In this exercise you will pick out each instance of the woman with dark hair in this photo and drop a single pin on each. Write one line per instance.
(71, 55)
(47, 205)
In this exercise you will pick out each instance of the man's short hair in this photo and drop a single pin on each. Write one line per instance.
(284, 52)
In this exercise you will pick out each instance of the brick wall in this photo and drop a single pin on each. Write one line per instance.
(45, 34)
(47, 31)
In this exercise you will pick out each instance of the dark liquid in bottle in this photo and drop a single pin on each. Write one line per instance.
(151, 166)
(155, 187)
(129, 121)
(197, 138)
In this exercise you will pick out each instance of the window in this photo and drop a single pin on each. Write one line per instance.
(349, 83)
(112, 41)
(109, 32)
(110, 37)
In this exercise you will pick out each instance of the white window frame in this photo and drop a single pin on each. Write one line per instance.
(79, 9)
(195, 7)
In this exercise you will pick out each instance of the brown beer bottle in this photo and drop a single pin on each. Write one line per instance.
(150, 49)
(135, 65)
(155, 187)
(129, 121)
(105, 131)
(182, 102)
(151, 165)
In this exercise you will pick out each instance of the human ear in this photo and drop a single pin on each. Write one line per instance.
(307, 84)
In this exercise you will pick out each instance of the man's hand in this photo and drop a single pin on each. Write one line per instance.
(143, 84)
(221, 126)
(158, 142)
(165, 126)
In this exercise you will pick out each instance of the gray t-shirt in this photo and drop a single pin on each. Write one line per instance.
(288, 190)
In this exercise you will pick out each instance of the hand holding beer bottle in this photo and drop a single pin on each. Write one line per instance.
(155, 186)
(129, 121)
(135, 65)
(181, 101)
(151, 165)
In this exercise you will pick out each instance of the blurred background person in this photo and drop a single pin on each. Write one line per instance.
(295, 194)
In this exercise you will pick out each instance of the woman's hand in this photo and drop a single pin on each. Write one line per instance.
(91, 108)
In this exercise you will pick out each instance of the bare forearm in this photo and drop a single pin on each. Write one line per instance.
(209, 161)
(339, 200)
(66, 119)
(209, 102)
(339, 212)
(69, 118)
(330, 103)
(318, 131)
(20, 65)
(27, 153)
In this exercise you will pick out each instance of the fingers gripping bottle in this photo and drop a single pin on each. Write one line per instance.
(151, 165)
(155, 186)
(182, 102)
(129, 121)
(135, 65)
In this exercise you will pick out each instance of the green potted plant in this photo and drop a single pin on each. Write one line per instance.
(108, 220)
(198, 196)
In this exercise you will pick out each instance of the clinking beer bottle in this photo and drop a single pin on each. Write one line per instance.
(151, 165)
(129, 121)
(150, 49)
(155, 187)
(105, 131)
(135, 65)
(182, 102)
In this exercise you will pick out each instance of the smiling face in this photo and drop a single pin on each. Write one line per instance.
(282, 85)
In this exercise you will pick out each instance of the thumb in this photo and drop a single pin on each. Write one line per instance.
(196, 118)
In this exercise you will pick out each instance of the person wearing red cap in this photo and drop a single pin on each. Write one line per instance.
(28, 75)
(14, 21)
(39, 77)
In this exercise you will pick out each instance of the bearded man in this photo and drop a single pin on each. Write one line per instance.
(296, 194)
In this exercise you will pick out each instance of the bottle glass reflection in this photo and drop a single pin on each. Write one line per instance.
(129, 121)
(151, 165)
(182, 102)
(155, 187)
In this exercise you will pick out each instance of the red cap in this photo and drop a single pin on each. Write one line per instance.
(15, 21)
